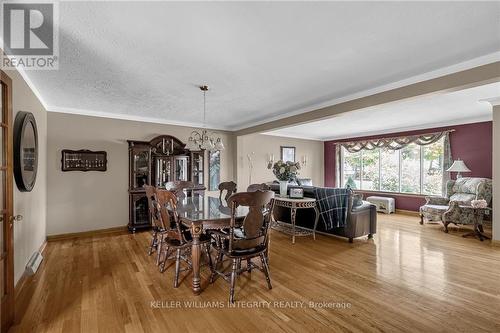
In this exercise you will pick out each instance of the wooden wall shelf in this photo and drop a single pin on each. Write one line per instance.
(83, 160)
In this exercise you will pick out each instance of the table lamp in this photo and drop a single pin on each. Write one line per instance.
(458, 166)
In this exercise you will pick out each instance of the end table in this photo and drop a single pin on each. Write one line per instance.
(295, 204)
(478, 222)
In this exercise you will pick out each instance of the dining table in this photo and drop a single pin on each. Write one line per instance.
(202, 212)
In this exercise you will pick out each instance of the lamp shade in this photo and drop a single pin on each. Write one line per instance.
(458, 166)
(207, 144)
(219, 145)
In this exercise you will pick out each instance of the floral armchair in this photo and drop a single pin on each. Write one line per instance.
(459, 192)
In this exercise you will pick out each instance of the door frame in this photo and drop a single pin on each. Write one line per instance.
(7, 304)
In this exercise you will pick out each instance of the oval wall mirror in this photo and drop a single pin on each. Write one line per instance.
(25, 151)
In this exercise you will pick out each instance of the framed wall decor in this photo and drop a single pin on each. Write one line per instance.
(83, 160)
(25, 151)
(287, 154)
(297, 193)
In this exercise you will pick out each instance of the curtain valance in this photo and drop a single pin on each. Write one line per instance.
(394, 143)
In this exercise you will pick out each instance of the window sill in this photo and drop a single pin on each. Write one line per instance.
(398, 194)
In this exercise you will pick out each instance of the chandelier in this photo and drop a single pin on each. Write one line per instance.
(203, 139)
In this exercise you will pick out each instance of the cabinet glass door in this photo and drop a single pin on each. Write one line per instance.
(181, 168)
(140, 209)
(198, 169)
(141, 169)
(163, 171)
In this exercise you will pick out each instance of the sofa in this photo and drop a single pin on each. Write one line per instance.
(459, 193)
(361, 216)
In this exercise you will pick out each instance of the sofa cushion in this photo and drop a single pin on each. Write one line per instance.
(290, 183)
(433, 212)
(362, 206)
(466, 185)
(435, 207)
(304, 181)
(465, 198)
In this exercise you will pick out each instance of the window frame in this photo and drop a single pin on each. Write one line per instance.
(422, 163)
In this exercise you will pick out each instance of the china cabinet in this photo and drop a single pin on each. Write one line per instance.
(157, 162)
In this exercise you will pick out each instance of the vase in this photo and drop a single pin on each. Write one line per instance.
(283, 187)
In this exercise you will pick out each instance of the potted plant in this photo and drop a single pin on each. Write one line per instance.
(285, 172)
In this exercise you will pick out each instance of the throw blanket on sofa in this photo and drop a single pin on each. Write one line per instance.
(332, 204)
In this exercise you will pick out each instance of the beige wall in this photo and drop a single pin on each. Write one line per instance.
(29, 234)
(496, 173)
(260, 146)
(83, 201)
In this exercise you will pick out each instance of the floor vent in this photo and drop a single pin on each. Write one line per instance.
(34, 263)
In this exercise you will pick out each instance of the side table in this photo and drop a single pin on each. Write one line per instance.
(478, 222)
(295, 204)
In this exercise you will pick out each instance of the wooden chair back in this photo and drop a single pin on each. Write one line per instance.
(153, 207)
(229, 187)
(258, 187)
(171, 218)
(255, 225)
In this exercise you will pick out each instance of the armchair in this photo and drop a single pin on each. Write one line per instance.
(459, 193)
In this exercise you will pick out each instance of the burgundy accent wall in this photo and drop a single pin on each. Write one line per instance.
(472, 143)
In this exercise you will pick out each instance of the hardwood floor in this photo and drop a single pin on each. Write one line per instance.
(408, 278)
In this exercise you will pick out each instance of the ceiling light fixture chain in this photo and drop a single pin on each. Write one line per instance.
(204, 89)
(203, 140)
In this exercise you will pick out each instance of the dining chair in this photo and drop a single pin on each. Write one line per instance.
(177, 238)
(258, 187)
(248, 241)
(157, 225)
(229, 187)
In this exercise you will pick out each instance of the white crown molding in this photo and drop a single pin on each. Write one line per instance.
(476, 62)
(453, 122)
(495, 101)
(102, 114)
(301, 137)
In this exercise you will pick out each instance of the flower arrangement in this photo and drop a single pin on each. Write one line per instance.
(479, 203)
(285, 171)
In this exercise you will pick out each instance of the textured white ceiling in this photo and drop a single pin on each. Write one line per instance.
(262, 60)
(452, 108)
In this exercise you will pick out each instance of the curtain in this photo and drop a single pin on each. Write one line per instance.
(394, 143)
(338, 167)
(447, 161)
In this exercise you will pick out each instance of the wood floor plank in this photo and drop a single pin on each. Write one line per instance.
(409, 278)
